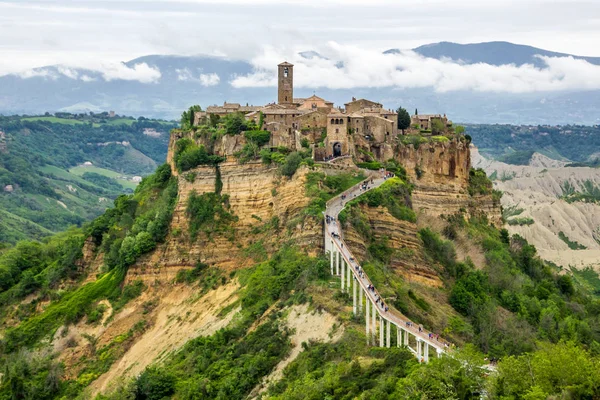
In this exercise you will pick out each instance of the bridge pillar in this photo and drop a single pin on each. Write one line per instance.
(354, 289)
(426, 352)
(349, 275)
(419, 349)
(381, 333)
(360, 298)
(374, 322)
(367, 319)
(343, 275)
(439, 352)
(337, 262)
(388, 336)
(398, 336)
(331, 254)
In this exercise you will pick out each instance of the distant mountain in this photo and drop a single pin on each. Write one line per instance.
(176, 82)
(494, 53)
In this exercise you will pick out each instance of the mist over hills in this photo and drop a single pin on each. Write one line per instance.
(163, 85)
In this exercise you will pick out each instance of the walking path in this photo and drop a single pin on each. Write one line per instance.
(342, 262)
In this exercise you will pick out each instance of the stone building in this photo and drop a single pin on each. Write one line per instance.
(332, 131)
(425, 121)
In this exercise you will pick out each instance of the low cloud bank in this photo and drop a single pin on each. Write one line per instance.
(345, 67)
(141, 72)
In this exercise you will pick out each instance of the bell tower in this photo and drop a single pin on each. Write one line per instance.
(285, 83)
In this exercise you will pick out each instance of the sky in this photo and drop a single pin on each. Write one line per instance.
(100, 34)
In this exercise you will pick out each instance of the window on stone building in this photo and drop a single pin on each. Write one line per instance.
(332, 121)
(337, 130)
(285, 75)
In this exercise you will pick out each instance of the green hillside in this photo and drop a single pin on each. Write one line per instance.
(543, 326)
(515, 144)
(46, 180)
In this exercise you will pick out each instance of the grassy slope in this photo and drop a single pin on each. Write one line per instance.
(41, 150)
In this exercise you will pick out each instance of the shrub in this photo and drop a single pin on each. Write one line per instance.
(440, 250)
(372, 165)
(291, 164)
(479, 184)
(208, 212)
(188, 155)
(234, 123)
(154, 384)
(520, 221)
(260, 138)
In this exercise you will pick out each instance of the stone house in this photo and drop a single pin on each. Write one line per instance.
(425, 121)
(361, 122)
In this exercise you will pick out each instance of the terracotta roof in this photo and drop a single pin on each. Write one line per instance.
(281, 111)
(214, 109)
(250, 108)
(231, 105)
(360, 100)
(336, 113)
(285, 64)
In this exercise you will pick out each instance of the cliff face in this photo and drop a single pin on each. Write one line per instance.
(268, 210)
(402, 236)
(440, 173)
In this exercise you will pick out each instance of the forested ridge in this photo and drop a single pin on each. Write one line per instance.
(41, 188)
(515, 144)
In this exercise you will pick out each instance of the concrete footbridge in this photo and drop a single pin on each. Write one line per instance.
(379, 316)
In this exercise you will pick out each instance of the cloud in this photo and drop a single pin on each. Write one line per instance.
(68, 72)
(141, 72)
(108, 71)
(37, 73)
(206, 80)
(184, 74)
(350, 67)
(209, 79)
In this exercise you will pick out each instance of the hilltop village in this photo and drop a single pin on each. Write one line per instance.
(331, 131)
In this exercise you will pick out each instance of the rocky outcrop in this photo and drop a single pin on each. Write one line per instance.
(440, 174)
(269, 209)
(402, 236)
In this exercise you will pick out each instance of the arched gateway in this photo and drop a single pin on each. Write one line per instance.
(337, 149)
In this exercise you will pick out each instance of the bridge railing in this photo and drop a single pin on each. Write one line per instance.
(440, 345)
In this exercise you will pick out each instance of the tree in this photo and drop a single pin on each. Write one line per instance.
(459, 129)
(403, 119)
(437, 126)
(291, 164)
(155, 384)
(416, 112)
(187, 117)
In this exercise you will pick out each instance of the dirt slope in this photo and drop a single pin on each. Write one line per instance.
(537, 188)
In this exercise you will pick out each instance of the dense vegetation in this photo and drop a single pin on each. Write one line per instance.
(516, 299)
(133, 227)
(49, 195)
(574, 142)
(394, 194)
